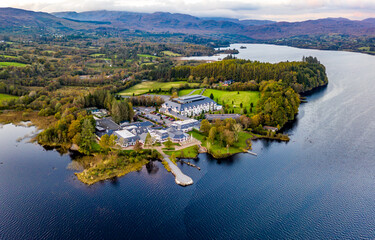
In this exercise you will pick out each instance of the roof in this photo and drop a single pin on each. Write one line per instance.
(107, 123)
(186, 123)
(180, 104)
(211, 117)
(124, 134)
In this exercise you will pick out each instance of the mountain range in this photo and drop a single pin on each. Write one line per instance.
(12, 19)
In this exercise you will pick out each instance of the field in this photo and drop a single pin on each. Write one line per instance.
(146, 56)
(97, 55)
(234, 98)
(144, 87)
(187, 91)
(171, 54)
(8, 56)
(217, 150)
(14, 64)
(5, 97)
(189, 152)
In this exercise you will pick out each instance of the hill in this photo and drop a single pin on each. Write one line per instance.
(163, 22)
(14, 20)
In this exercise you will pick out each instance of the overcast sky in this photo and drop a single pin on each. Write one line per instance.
(279, 10)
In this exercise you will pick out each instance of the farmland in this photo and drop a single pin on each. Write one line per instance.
(5, 97)
(234, 98)
(145, 86)
(12, 64)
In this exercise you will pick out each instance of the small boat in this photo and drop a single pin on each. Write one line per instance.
(243, 47)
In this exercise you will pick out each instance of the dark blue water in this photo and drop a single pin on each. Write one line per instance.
(320, 185)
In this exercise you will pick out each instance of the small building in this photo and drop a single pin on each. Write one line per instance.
(191, 105)
(212, 117)
(186, 125)
(177, 135)
(106, 126)
(126, 138)
(272, 129)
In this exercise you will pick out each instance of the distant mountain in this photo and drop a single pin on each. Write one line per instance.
(250, 22)
(156, 22)
(225, 28)
(18, 20)
(312, 27)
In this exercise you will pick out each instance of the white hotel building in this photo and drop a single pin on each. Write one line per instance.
(191, 105)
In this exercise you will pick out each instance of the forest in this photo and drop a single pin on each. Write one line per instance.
(301, 76)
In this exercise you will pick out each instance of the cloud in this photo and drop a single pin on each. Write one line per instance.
(289, 10)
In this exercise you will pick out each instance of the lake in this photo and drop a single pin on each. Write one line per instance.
(320, 185)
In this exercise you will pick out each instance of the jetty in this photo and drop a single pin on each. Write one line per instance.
(252, 153)
(180, 177)
(190, 164)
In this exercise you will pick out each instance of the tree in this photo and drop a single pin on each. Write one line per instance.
(228, 137)
(112, 141)
(205, 127)
(104, 142)
(168, 143)
(148, 140)
(174, 95)
(211, 96)
(138, 146)
(212, 134)
(245, 121)
(87, 137)
(241, 105)
(237, 128)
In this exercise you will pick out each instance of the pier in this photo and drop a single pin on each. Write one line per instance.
(180, 177)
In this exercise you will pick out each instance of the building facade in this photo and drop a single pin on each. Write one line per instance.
(191, 105)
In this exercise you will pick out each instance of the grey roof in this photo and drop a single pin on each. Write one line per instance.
(107, 123)
(182, 103)
(211, 117)
(175, 134)
(143, 124)
(129, 139)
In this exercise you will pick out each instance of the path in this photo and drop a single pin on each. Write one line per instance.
(191, 92)
(180, 178)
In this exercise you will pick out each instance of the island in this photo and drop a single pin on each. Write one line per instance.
(119, 107)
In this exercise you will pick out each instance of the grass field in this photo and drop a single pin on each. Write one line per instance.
(14, 64)
(171, 54)
(146, 56)
(234, 98)
(144, 87)
(8, 56)
(187, 91)
(5, 97)
(97, 55)
(217, 150)
(189, 152)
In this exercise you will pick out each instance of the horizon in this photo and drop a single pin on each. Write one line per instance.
(202, 17)
(274, 10)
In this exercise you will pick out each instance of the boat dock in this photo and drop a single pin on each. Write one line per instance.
(252, 153)
(180, 177)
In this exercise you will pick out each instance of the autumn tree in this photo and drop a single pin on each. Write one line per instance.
(205, 127)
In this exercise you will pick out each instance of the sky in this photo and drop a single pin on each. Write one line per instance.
(277, 10)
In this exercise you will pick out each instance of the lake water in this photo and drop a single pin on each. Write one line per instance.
(320, 185)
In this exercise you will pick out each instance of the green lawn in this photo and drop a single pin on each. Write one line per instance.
(171, 54)
(97, 55)
(217, 150)
(234, 98)
(189, 152)
(187, 91)
(146, 56)
(145, 86)
(5, 97)
(15, 64)
(8, 56)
